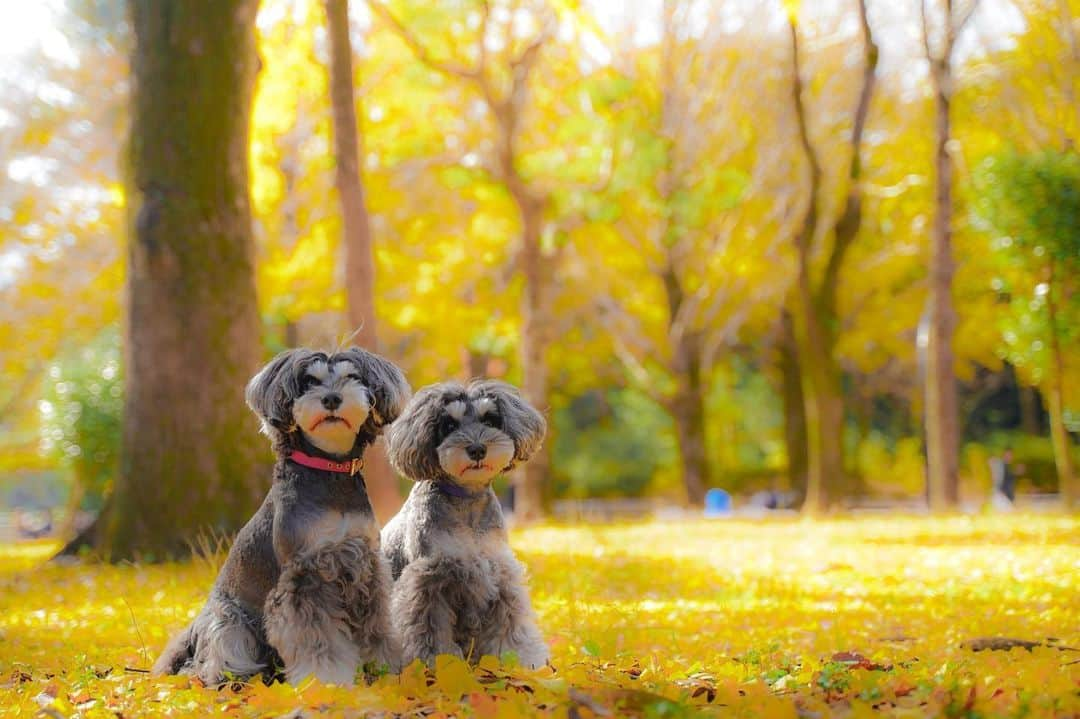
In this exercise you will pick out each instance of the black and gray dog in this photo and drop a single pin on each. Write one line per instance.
(458, 588)
(305, 581)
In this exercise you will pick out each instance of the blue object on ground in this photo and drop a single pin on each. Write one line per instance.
(717, 503)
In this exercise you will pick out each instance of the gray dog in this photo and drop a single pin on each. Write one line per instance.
(305, 581)
(458, 588)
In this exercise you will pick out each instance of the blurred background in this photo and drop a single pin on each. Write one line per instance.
(717, 241)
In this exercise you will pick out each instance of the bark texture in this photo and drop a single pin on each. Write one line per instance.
(688, 411)
(535, 339)
(791, 390)
(1030, 407)
(357, 240)
(942, 444)
(190, 444)
(816, 317)
(942, 420)
(687, 405)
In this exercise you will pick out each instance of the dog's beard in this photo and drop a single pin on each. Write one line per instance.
(332, 431)
(468, 472)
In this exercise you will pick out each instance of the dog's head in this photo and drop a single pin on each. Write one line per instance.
(466, 433)
(335, 403)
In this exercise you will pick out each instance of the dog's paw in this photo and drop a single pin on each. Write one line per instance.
(343, 674)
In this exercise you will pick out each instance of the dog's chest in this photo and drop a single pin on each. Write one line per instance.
(331, 526)
(467, 544)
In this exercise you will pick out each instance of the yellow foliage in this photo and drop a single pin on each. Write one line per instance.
(707, 190)
(860, 618)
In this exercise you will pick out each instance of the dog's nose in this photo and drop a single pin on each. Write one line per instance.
(476, 452)
(331, 401)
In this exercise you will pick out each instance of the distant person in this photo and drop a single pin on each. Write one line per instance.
(765, 499)
(1003, 479)
(772, 499)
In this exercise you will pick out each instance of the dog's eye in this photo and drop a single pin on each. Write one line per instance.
(491, 419)
(447, 425)
(353, 376)
(308, 382)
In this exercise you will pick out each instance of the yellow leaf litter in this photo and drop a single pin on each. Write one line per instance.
(862, 617)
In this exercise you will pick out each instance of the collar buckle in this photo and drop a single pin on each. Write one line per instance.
(355, 466)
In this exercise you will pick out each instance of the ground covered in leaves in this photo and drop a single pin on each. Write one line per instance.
(862, 617)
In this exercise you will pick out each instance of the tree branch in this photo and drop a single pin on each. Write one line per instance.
(423, 54)
(520, 68)
(638, 373)
(847, 227)
(964, 17)
(628, 347)
(930, 58)
(805, 234)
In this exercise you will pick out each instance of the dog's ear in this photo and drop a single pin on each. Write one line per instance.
(271, 392)
(520, 420)
(388, 386)
(411, 442)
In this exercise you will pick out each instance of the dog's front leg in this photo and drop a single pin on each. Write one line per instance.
(306, 614)
(368, 601)
(511, 625)
(423, 609)
(307, 622)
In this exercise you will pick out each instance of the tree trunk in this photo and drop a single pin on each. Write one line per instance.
(1030, 409)
(190, 446)
(815, 318)
(795, 440)
(942, 442)
(290, 333)
(476, 364)
(688, 411)
(1055, 395)
(529, 493)
(687, 405)
(845, 231)
(359, 264)
(357, 242)
(823, 400)
(1059, 435)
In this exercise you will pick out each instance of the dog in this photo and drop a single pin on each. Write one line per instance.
(305, 582)
(458, 589)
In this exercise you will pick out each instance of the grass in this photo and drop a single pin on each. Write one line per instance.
(859, 617)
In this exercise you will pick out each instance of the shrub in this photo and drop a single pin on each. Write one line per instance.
(611, 444)
(81, 416)
(887, 466)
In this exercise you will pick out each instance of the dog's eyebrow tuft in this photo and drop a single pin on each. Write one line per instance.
(318, 370)
(485, 405)
(456, 409)
(344, 367)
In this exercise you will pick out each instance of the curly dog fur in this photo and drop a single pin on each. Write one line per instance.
(305, 583)
(329, 612)
(458, 588)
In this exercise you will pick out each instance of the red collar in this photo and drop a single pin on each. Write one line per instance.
(349, 467)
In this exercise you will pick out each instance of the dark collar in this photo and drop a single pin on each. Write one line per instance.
(452, 489)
